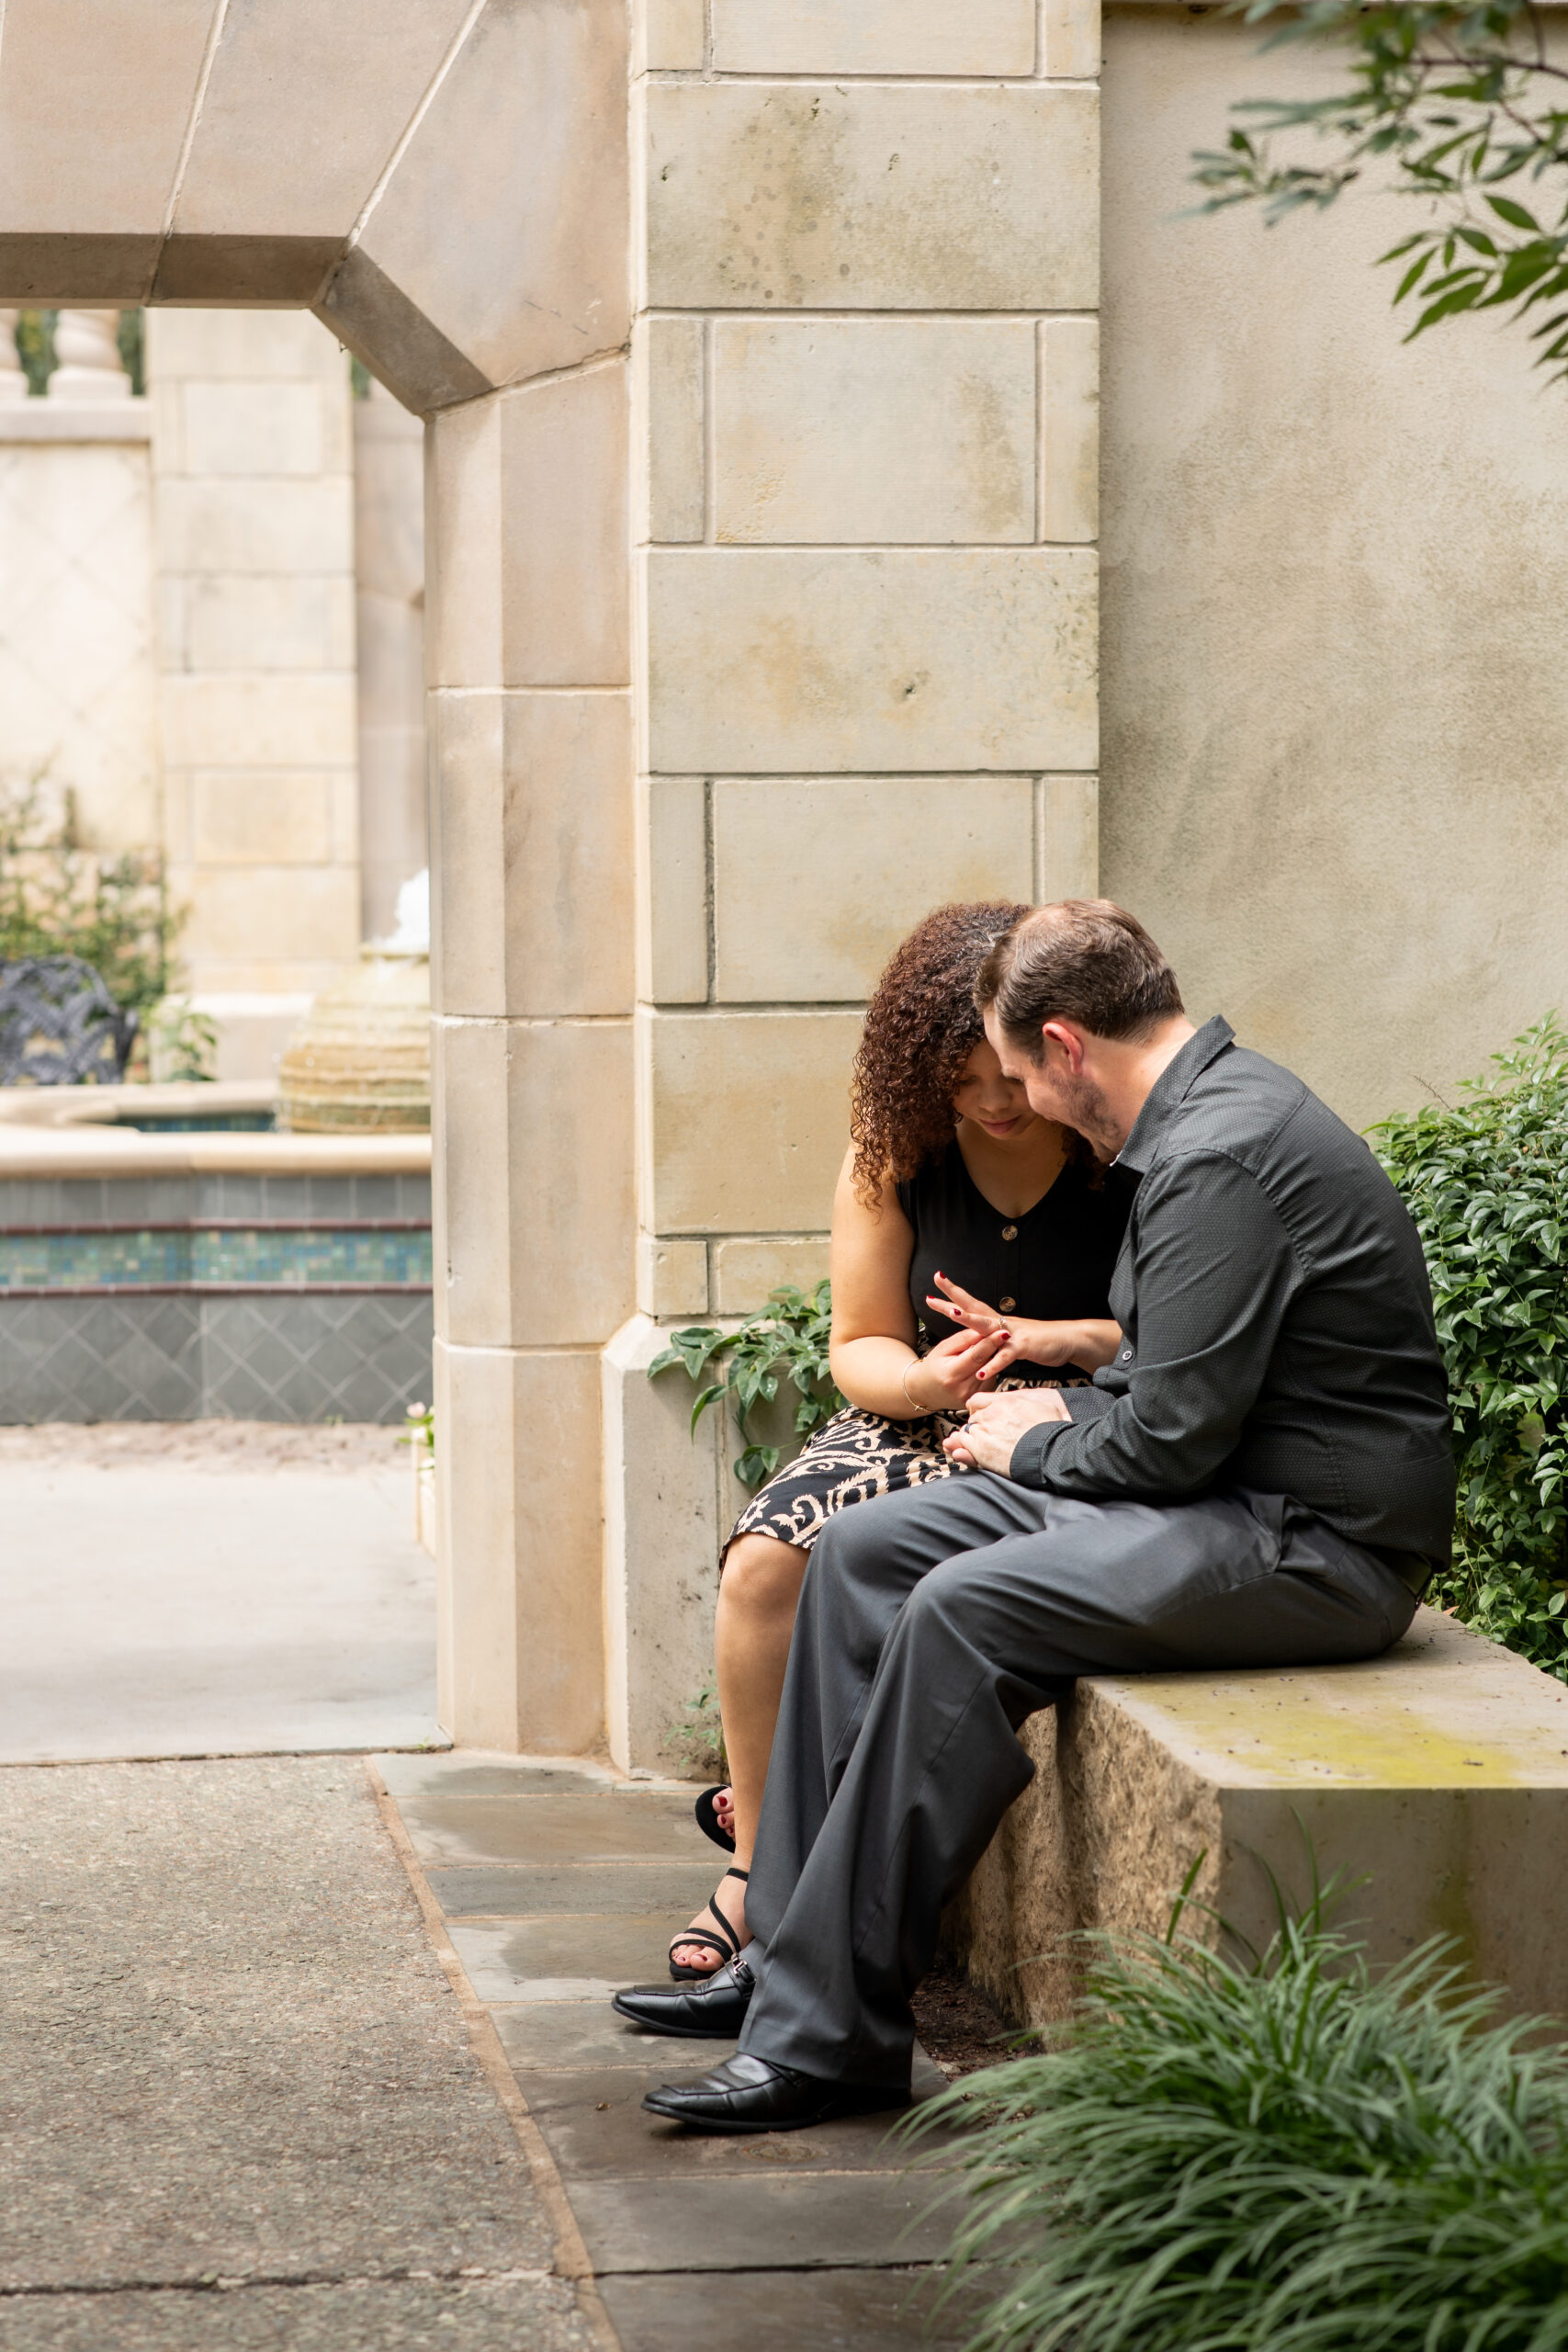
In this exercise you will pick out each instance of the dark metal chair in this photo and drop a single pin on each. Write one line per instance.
(59, 1026)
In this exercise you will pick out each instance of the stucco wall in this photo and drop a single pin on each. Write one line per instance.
(1335, 692)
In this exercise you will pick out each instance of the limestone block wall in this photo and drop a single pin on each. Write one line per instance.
(865, 396)
(712, 722)
(252, 462)
(864, 403)
(76, 617)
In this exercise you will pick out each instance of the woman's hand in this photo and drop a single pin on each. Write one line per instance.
(995, 1425)
(944, 1381)
(1086, 1342)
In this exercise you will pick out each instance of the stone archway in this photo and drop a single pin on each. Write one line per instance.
(757, 365)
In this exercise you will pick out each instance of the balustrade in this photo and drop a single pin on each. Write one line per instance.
(13, 376)
(87, 351)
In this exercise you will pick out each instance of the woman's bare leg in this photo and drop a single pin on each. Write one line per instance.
(757, 1599)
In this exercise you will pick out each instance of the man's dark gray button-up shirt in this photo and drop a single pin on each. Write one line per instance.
(1276, 1315)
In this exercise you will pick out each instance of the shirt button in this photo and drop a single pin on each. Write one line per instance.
(1009, 1233)
(1006, 1303)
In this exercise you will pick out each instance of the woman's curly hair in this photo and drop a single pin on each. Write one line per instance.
(921, 1029)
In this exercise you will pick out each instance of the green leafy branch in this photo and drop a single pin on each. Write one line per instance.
(1486, 1182)
(59, 899)
(1460, 103)
(786, 1340)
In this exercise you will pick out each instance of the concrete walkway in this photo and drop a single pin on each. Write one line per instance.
(211, 1588)
(314, 2051)
(239, 2105)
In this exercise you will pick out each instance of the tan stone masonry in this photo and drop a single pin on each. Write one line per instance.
(761, 613)
(759, 348)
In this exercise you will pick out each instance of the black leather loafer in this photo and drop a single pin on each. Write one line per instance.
(749, 2094)
(713, 2010)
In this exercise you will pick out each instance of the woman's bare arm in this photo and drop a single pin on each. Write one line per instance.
(873, 1350)
(1089, 1342)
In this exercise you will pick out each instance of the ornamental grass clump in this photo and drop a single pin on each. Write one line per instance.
(1298, 2157)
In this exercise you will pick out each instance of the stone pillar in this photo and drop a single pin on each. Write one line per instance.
(864, 440)
(255, 514)
(389, 555)
(530, 665)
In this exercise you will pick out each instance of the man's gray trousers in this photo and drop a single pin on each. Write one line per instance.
(932, 1623)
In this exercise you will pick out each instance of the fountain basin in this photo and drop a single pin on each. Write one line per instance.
(180, 1270)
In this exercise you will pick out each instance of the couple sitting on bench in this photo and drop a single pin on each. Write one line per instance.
(1258, 1473)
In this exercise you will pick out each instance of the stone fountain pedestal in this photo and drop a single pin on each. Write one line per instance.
(359, 1062)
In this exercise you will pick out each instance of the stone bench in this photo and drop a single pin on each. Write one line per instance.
(1439, 1772)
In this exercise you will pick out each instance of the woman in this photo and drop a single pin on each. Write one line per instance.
(953, 1195)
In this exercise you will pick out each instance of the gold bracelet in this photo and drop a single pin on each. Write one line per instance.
(903, 1385)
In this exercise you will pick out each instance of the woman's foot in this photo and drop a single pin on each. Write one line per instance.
(701, 1955)
(714, 1809)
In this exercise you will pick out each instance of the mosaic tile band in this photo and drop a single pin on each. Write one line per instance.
(138, 1356)
(217, 1256)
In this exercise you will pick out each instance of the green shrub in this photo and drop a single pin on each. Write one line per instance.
(1487, 1181)
(788, 1338)
(58, 899)
(1294, 2158)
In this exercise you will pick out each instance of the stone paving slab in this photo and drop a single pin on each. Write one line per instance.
(832, 2311)
(471, 1773)
(594, 2127)
(677, 2226)
(524, 1891)
(470, 1830)
(588, 2033)
(815, 2221)
(554, 1959)
(228, 2052)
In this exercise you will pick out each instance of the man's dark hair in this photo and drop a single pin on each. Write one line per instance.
(1082, 960)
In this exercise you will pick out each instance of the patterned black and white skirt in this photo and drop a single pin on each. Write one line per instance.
(852, 1459)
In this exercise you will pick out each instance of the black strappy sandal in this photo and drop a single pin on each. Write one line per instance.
(720, 1937)
(706, 1812)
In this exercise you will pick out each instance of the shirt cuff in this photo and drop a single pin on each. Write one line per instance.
(1032, 1453)
(1027, 1468)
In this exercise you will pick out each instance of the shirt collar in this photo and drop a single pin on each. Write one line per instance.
(1169, 1088)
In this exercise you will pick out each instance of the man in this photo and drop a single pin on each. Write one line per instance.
(1262, 1477)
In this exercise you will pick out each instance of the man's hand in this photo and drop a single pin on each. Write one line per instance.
(995, 1424)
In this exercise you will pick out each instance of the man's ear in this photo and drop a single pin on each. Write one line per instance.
(1062, 1033)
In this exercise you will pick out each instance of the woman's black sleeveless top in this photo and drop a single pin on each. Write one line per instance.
(1053, 1264)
